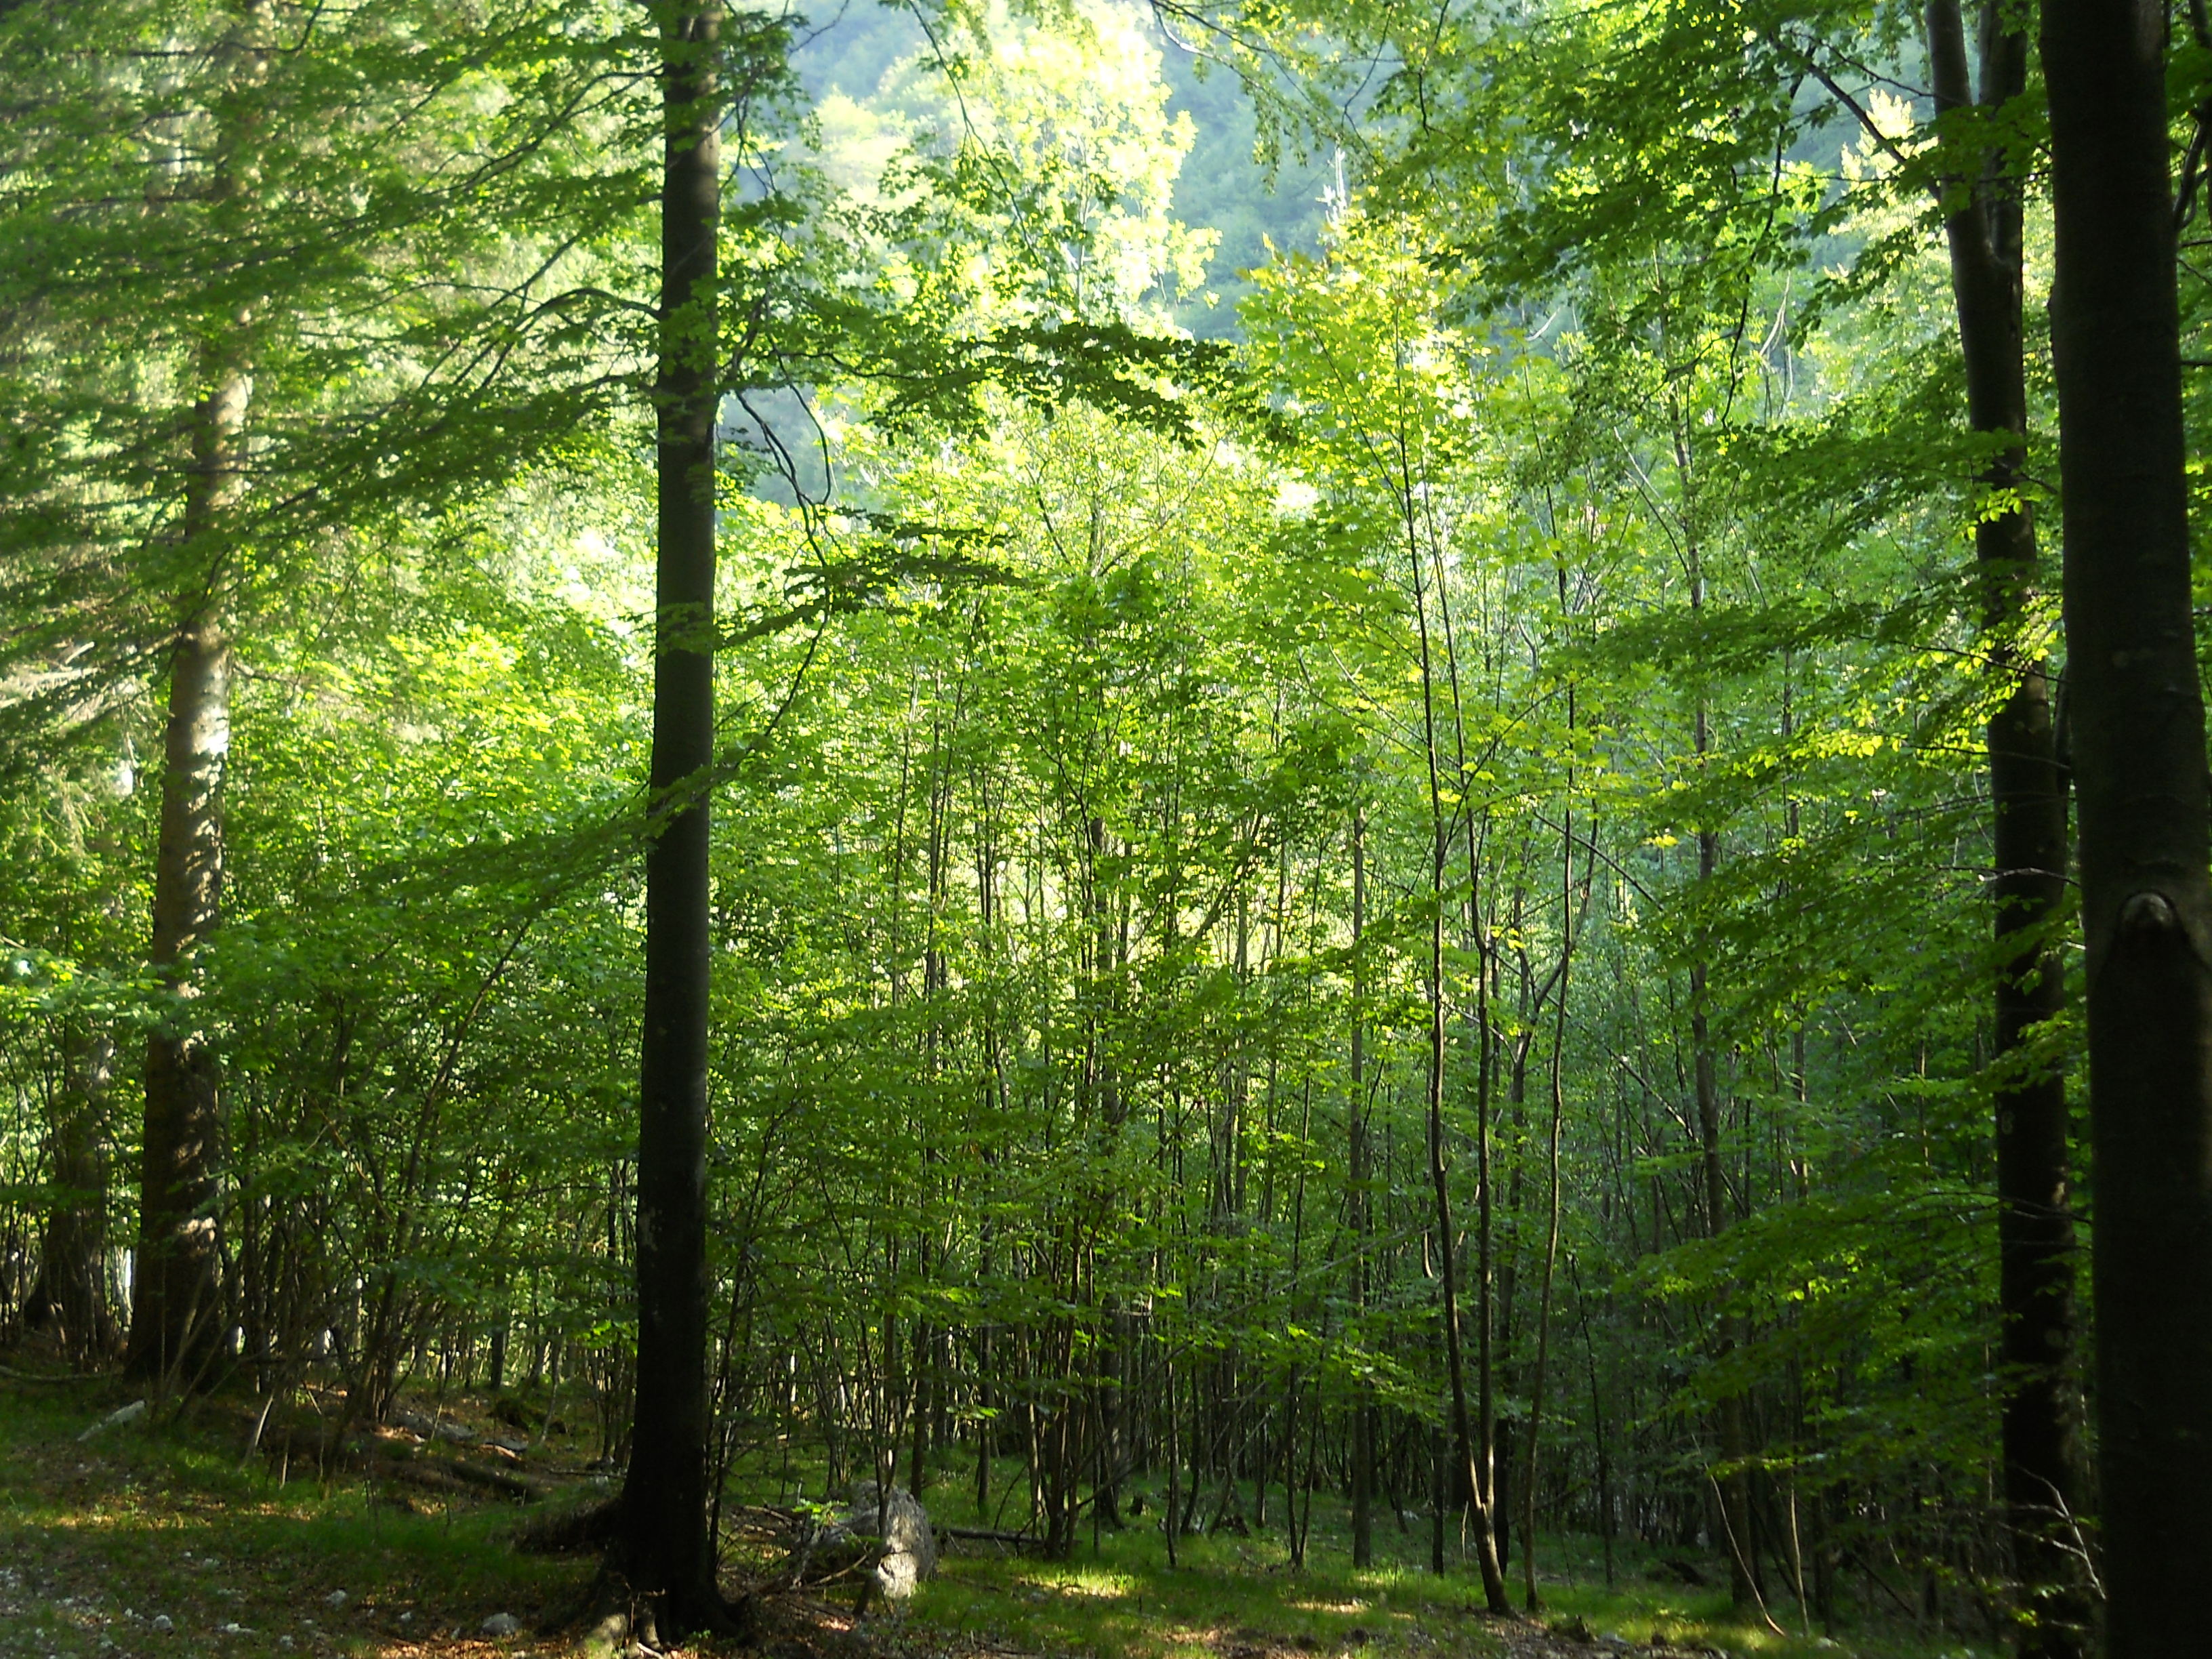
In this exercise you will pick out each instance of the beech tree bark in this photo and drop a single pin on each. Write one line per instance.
(2139, 767)
(2027, 794)
(666, 1547)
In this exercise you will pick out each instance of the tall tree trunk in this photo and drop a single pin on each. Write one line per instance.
(2035, 1221)
(666, 1548)
(1735, 1490)
(1362, 1403)
(175, 1314)
(1567, 939)
(2139, 767)
(1464, 1447)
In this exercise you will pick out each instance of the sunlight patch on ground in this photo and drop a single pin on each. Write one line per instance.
(1327, 1607)
(1092, 1584)
(1187, 1639)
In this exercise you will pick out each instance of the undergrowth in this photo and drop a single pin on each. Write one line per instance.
(163, 1540)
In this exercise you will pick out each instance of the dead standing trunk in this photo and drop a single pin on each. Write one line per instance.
(2035, 1221)
(2139, 769)
(665, 1548)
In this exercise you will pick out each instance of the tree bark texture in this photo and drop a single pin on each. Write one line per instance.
(2139, 769)
(2035, 1220)
(666, 1548)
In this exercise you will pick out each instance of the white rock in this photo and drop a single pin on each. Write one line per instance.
(501, 1624)
(909, 1549)
(116, 1420)
(232, 1629)
(335, 1599)
(161, 1623)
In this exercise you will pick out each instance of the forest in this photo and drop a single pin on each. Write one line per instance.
(1198, 829)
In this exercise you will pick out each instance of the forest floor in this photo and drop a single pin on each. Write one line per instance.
(166, 1541)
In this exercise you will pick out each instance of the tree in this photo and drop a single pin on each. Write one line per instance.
(277, 313)
(2137, 720)
(666, 1546)
(1983, 226)
(176, 1317)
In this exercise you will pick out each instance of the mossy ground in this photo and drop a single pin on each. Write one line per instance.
(100, 1540)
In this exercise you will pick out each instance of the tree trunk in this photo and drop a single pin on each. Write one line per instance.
(175, 1317)
(666, 1548)
(1362, 1404)
(2035, 1221)
(1734, 1488)
(2139, 767)
(73, 1267)
(1463, 1440)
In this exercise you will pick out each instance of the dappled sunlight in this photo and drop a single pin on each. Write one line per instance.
(1089, 1584)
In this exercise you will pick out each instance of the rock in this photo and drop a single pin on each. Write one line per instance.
(891, 1533)
(163, 1623)
(115, 1419)
(335, 1599)
(501, 1624)
(233, 1629)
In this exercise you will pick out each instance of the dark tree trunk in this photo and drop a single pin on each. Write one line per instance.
(2139, 767)
(666, 1547)
(72, 1271)
(2035, 1221)
(175, 1314)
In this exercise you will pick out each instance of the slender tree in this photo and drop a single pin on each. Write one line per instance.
(2035, 1222)
(666, 1545)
